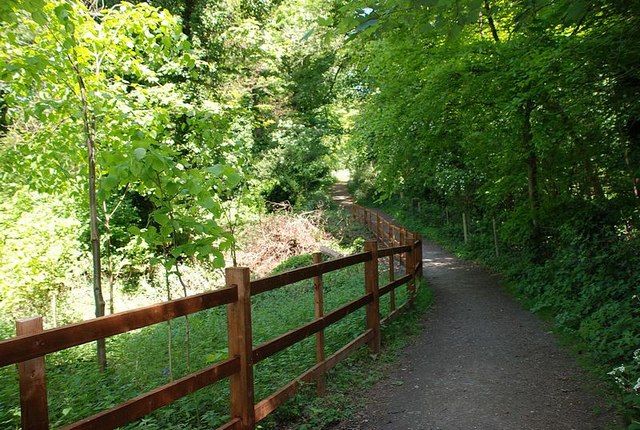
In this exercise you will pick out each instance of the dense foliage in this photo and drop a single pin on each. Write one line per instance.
(135, 140)
(525, 115)
(187, 125)
(145, 135)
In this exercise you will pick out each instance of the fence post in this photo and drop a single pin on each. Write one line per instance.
(33, 382)
(464, 227)
(241, 345)
(371, 285)
(378, 229)
(415, 259)
(419, 254)
(402, 241)
(392, 277)
(408, 267)
(495, 235)
(388, 234)
(319, 312)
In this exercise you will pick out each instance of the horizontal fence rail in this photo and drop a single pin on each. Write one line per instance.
(296, 275)
(402, 251)
(36, 345)
(389, 233)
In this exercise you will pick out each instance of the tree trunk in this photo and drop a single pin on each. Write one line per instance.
(89, 130)
(631, 158)
(592, 177)
(187, 14)
(4, 110)
(532, 178)
(110, 274)
(635, 180)
(492, 24)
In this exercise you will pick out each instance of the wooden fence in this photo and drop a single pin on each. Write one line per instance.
(388, 232)
(32, 343)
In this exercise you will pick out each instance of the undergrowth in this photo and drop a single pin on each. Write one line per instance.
(283, 235)
(588, 287)
(139, 361)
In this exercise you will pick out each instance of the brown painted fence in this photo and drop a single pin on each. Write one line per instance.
(32, 343)
(388, 232)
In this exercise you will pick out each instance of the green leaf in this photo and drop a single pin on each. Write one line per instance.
(166, 231)
(171, 188)
(365, 25)
(136, 168)
(139, 153)
(325, 22)
(216, 356)
(205, 251)
(233, 179)
(216, 169)
(62, 12)
(161, 218)
(39, 17)
(208, 203)
(307, 35)
(218, 259)
(110, 182)
(195, 187)
(157, 164)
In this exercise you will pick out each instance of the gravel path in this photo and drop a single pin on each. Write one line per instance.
(481, 362)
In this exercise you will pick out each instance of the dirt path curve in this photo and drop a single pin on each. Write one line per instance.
(481, 362)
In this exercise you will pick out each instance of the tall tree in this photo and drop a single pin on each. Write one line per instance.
(102, 83)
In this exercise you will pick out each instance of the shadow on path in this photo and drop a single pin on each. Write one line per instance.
(340, 194)
(481, 362)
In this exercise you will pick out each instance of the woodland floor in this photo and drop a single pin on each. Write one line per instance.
(481, 362)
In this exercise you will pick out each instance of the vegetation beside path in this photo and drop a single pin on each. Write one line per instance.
(587, 289)
(524, 118)
(137, 139)
(140, 360)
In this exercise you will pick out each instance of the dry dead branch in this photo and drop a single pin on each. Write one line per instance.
(280, 236)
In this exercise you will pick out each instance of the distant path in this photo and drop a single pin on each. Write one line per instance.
(340, 194)
(481, 362)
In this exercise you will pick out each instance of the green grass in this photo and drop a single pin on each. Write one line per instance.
(138, 362)
(349, 235)
(347, 381)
